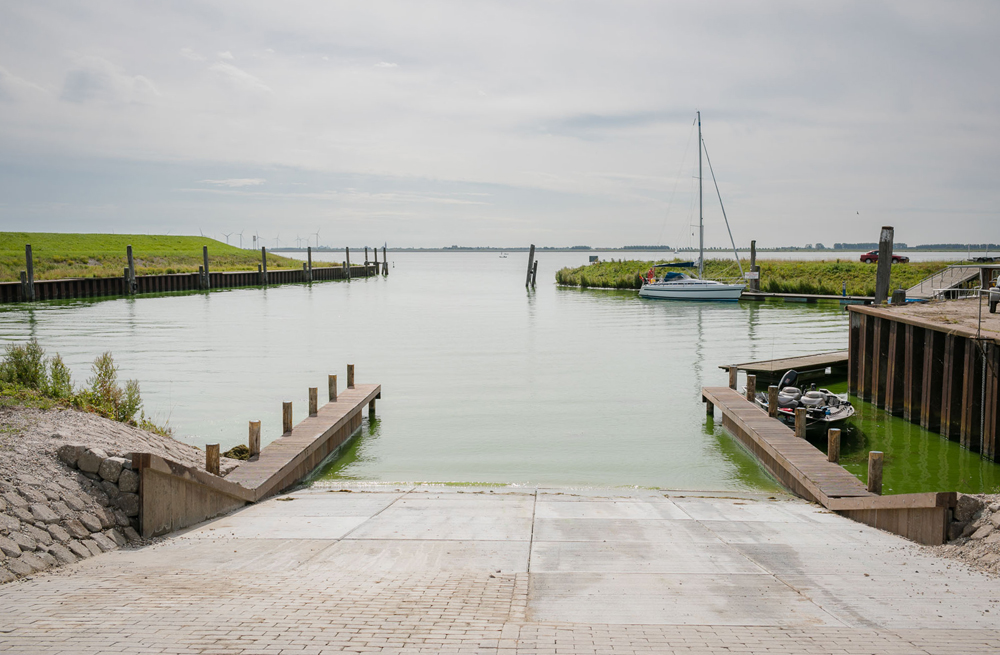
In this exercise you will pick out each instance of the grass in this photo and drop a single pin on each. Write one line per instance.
(58, 256)
(776, 276)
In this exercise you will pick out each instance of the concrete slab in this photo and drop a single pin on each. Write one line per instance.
(250, 526)
(639, 557)
(395, 556)
(603, 509)
(615, 530)
(725, 509)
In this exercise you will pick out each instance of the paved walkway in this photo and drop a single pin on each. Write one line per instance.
(453, 570)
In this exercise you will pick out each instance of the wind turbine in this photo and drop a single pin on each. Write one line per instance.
(241, 238)
(298, 241)
(277, 240)
(227, 237)
(317, 237)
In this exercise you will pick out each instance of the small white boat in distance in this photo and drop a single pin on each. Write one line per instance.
(677, 286)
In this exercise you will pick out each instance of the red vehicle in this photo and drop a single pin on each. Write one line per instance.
(871, 257)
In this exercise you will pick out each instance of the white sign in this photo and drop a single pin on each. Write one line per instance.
(752, 275)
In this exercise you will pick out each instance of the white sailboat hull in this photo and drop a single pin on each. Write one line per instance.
(690, 289)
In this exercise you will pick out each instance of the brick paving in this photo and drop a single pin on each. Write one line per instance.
(208, 591)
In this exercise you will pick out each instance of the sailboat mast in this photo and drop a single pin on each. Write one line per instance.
(701, 217)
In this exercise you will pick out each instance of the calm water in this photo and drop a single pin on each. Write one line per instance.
(482, 381)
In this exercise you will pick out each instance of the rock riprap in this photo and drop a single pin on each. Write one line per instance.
(45, 523)
(974, 535)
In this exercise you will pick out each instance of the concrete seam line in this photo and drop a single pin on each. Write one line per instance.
(531, 539)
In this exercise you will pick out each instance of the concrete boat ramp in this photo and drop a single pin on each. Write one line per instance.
(430, 569)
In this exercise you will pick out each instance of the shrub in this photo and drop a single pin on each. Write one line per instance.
(109, 399)
(60, 380)
(24, 366)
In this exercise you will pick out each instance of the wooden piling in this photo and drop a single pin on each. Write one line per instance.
(800, 422)
(884, 265)
(709, 407)
(29, 262)
(263, 264)
(833, 445)
(286, 417)
(385, 262)
(331, 381)
(772, 401)
(366, 257)
(754, 283)
(253, 440)
(131, 270)
(376, 259)
(347, 261)
(531, 261)
(24, 286)
(875, 472)
(212, 458)
(309, 258)
(534, 274)
(751, 387)
(350, 376)
(733, 371)
(205, 284)
(313, 401)
(371, 408)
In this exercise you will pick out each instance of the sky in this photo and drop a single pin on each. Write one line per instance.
(502, 123)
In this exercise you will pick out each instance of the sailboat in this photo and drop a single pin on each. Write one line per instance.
(674, 285)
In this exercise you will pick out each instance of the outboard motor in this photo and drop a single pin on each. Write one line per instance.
(788, 379)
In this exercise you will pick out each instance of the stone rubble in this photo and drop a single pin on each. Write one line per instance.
(974, 535)
(67, 488)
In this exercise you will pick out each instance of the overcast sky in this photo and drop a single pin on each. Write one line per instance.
(501, 123)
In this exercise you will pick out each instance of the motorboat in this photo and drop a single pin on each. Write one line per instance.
(824, 409)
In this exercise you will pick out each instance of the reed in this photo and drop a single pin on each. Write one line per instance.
(777, 276)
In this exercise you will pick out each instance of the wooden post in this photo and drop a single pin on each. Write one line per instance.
(534, 274)
(305, 272)
(375, 250)
(313, 401)
(371, 408)
(531, 261)
(286, 417)
(772, 401)
(833, 445)
(899, 297)
(709, 407)
(385, 262)
(332, 384)
(754, 284)
(212, 458)
(751, 387)
(24, 286)
(366, 259)
(733, 370)
(884, 265)
(125, 284)
(254, 438)
(350, 376)
(309, 255)
(800, 422)
(204, 280)
(29, 262)
(347, 257)
(131, 269)
(875, 472)
(263, 264)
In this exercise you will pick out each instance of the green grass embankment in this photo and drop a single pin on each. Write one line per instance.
(776, 276)
(59, 256)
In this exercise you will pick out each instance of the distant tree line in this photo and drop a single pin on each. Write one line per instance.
(865, 246)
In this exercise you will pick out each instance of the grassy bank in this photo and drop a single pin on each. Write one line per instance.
(776, 276)
(103, 255)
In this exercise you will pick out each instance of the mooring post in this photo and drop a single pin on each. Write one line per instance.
(534, 274)
(751, 387)
(371, 408)
(884, 265)
(800, 422)
(899, 297)
(24, 286)
(286, 417)
(376, 260)
(531, 261)
(131, 270)
(253, 441)
(347, 257)
(366, 260)
(205, 284)
(833, 445)
(733, 371)
(29, 262)
(263, 264)
(754, 283)
(309, 255)
(350, 376)
(313, 401)
(843, 289)
(875, 472)
(305, 272)
(331, 381)
(385, 262)
(126, 286)
(772, 401)
(212, 458)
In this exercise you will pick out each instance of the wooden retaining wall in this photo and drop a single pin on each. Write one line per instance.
(928, 373)
(103, 287)
(804, 470)
(173, 496)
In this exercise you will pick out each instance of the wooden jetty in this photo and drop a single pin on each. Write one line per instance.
(173, 496)
(806, 297)
(809, 367)
(805, 470)
(935, 364)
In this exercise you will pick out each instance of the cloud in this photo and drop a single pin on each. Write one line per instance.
(236, 182)
(225, 55)
(11, 85)
(386, 64)
(239, 76)
(188, 53)
(95, 78)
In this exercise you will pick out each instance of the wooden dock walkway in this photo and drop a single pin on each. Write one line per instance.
(807, 366)
(807, 297)
(804, 469)
(173, 496)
